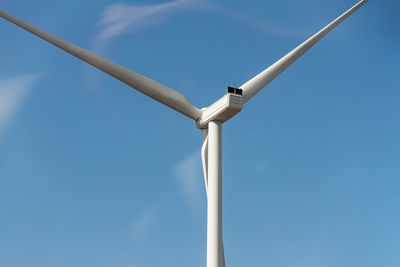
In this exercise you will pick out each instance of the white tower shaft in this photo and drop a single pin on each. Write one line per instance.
(214, 194)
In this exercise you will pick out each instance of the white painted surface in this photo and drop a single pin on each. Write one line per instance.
(214, 204)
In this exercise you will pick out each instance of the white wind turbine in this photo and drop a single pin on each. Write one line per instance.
(208, 119)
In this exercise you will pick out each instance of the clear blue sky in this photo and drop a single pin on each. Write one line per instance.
(92, 173)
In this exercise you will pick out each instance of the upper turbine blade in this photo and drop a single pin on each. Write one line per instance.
(151, 88)
(253, 86)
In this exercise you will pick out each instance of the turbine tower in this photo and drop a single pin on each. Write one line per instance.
(209, 119)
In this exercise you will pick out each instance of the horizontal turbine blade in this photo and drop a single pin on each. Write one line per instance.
(253, 86)
(151, 88)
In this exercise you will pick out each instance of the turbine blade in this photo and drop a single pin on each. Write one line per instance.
(153, 89)
(253, 86)
(204, 157)
(223, 255)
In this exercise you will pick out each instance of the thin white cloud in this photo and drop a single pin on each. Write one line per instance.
(262, 25)
(13, 91)
(123, 18)
(190, 181)
(140, 227)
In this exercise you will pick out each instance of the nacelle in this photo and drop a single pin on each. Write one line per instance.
(222, 110)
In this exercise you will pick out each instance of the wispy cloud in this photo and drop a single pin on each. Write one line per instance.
(140, 227)
(13, 91)
(190, 180)
(262, 25)
(123, 18)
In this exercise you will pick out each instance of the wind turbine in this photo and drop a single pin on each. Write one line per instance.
(209, 119)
